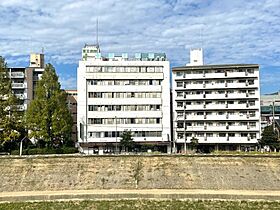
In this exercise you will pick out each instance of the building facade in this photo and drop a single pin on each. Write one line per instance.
(217, 104)
(118, 93)
(72, 104)
(24, 79)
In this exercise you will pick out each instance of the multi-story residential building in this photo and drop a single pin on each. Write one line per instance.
(270, 109)
(217, 104)
(17, 75)
(24, 80)
(72, 104)
(118, 93)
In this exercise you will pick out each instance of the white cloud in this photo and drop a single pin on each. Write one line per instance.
(229, 31)
(68, 83)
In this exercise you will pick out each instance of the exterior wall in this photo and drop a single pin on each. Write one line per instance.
(196, 57)
(37, 60)
(17, 75)
(72, 104)
(88, 134)
(217, 104)
(24, 80)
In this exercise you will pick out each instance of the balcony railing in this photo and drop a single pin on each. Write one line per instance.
(18, 85)
(17, 75)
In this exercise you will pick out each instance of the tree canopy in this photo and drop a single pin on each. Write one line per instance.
(127, 140)
(269, 138)
(10, 118)
(48, 117)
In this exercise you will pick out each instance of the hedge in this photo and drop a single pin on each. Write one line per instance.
(36, 151)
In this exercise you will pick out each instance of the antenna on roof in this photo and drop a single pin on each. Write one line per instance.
(97, 44)
(42, 50)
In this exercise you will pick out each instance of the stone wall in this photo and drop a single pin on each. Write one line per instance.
(142, 172)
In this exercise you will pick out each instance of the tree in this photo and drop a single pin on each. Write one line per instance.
(127, 140)
(48, 117)
(10, 118)
(194, 143)
(269, 138)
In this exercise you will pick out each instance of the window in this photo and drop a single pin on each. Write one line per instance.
(253, 135)
(92, 108)
(222, 135)
(179, 104)
(231, 134)
(200, 134)
(252, 113)
(251, 82)
(96, 95)
(180, 124)
(252, 124)
(96, 120)
(244, 134)
(179, 84)
(180, 135)
(179, 94)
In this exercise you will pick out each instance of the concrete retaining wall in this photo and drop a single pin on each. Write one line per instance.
(139, 172)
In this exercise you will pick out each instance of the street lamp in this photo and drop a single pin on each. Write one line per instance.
(20, 146)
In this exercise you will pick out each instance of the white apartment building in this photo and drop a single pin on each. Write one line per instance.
(217, 104)
(118, 93)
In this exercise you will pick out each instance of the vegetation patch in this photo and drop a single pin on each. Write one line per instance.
(144, 205)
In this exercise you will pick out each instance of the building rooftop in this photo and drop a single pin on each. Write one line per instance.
(272, 94)
(214, 66)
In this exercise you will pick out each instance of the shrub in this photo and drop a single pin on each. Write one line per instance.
(36, 151)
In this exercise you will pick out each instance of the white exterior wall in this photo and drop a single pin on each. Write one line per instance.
(84, 101)
(17, 75)
(204, 97)
(196, 57)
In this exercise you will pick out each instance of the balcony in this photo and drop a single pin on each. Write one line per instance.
(20, 96)
(17, 75)
(18, 85)
(20, 107)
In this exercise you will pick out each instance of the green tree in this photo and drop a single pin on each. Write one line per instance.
(194, 143)
(48, 117)
(269, 138)
(127, 140)
(10, 118)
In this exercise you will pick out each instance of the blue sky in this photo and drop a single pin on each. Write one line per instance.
(230, 31)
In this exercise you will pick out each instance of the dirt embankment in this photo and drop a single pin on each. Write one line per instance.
(139, 172)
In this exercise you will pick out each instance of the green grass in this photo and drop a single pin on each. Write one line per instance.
(244, 153)
(143, 205)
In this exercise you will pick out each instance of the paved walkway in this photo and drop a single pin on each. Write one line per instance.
(139, 194)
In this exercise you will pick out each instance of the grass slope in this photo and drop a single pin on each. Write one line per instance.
(144, 205)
